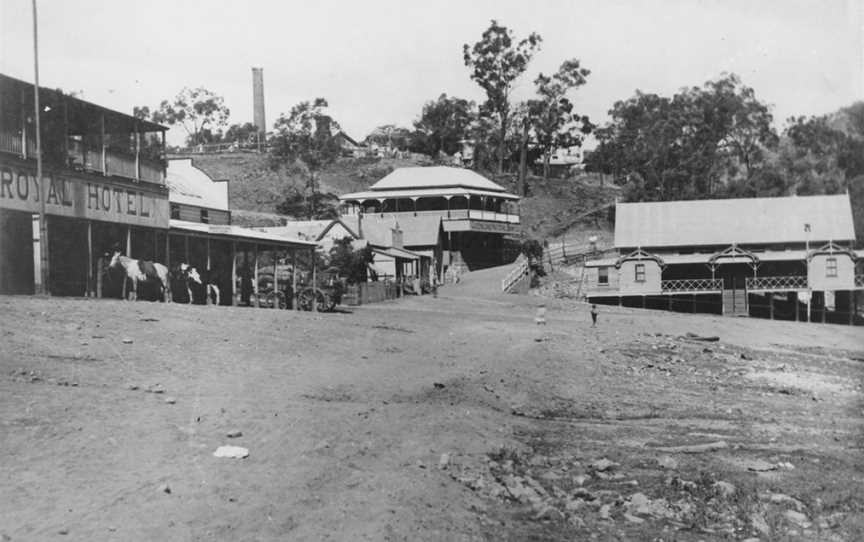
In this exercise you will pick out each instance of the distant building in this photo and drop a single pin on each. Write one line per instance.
(474, 214)
(772, 257)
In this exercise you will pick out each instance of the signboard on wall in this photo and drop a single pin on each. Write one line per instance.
(485, 226)
(94, 198)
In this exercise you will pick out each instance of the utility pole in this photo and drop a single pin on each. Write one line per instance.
(807, 269)
(43, 193)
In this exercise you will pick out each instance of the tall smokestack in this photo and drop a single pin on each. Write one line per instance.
(258, 100)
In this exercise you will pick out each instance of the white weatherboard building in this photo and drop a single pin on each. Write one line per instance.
(475, 213)
(774, 257)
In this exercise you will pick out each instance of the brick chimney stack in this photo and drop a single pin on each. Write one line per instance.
(258, 100)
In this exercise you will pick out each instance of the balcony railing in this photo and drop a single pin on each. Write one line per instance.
(88, 158)
(791, 282)
(691, 285)
(10, 143)
(859, 281)
(456, 214)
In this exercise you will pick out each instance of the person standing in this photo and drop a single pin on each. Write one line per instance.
(593, 315)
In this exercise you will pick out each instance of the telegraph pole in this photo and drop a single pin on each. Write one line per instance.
(43, 193)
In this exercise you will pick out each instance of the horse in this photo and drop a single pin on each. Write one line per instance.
(142, 271)
(187, 276)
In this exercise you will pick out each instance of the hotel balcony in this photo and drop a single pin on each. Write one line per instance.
(78, 136)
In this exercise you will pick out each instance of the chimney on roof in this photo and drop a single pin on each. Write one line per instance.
(258, 100)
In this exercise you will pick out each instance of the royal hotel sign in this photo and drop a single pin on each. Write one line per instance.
(84, 196)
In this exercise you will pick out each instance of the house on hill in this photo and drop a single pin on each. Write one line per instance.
(475, 214)
(790, 258)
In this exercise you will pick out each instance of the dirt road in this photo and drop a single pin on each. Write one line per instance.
(454, 418)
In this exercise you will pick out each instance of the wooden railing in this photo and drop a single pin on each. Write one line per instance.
(691, 285)
(10, 143)
(520, 269)
(790, 282)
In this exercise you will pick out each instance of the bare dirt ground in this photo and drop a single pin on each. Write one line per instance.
(454, 418)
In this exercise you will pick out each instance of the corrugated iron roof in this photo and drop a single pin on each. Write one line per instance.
(424, 193)
(236, 232)
(435, 177)
(728, 221)
(421, 230)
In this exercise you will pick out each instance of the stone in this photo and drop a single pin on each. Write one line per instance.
(549, 513)
(696, 448)
(234, 433)
(581, 479)
(127, 341)
(724, 488)
(577, 522)
(63, 531)
(758, 522)
(550, 476)
(165, 488)
(232, 452)
(605, 511)
(633, 519)
(797, 518)
(574, 504)
(602, 465)
(132, 387)
(667, 462)
(781, 498)
(444, 461)
(170, 400)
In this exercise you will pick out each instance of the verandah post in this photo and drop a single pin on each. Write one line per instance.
(294, 278)
(234, 291)
(89, 292)
(255, 277)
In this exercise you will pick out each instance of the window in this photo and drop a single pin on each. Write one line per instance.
(175, 211)
(640, 272)
(603, 276)
(205, 216)
(831, 267)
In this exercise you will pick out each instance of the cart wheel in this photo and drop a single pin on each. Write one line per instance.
(304, 300)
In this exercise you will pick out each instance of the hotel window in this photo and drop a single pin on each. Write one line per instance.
(175, 211)
(603, 276)
(205, 216)
(831, 267)
(640, 272)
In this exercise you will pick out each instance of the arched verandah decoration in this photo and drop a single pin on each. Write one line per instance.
(638, 255)
(733, 251)
(831, 248)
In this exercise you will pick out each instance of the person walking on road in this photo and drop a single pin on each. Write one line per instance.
(593, 315)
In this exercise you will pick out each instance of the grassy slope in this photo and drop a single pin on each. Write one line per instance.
(552, 208)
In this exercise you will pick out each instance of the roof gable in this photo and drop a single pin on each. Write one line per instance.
(189, 185)
(734, 221)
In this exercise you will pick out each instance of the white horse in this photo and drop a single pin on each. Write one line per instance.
(142, 271)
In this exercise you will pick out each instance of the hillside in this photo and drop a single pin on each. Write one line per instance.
(551, 209)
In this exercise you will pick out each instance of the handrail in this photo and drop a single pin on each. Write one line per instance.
(691, 285)
(789, 282)
(520, 269)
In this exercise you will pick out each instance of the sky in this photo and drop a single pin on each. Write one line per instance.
(378, 61)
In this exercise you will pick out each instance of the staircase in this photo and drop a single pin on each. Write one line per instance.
(735, 303)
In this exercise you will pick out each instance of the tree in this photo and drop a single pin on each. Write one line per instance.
(241, 133)
(314, 206)
(199, 111)
(305, 138)
(701, 142)
(444, 123)
(551, 116)
(352, 264)
(496, 62)
(390, 135)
